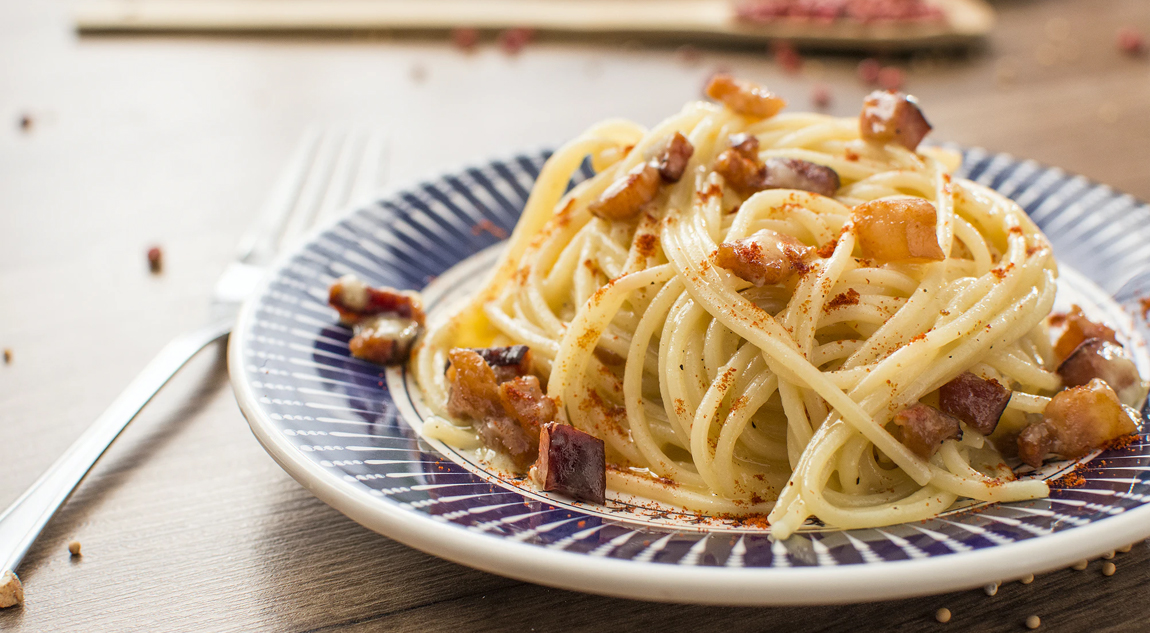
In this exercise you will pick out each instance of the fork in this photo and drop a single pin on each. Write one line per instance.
(329, 171)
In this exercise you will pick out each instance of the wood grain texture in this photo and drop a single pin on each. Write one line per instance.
(186, 524)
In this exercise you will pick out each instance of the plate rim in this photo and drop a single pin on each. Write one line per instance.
(734, 586)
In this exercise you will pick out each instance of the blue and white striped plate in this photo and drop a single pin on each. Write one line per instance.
(349, 430)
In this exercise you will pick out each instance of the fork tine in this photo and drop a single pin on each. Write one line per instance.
(371, 168)
(358, 173)
(262, 237)
(307, 205)
(343, 176)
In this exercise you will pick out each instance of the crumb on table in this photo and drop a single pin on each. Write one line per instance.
(11, 591)
(74, 548)
(7, 356)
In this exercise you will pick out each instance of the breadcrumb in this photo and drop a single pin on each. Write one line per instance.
(74, 548)
(1108, 569)
(1081, 565)
(1109, 555)
(1033, 622)
(942, 615)
(991, 589)
(11, 590)
(1027, 579)
(7, 356)
(1126, 548)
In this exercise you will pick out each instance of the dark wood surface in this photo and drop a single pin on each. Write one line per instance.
(186, 524)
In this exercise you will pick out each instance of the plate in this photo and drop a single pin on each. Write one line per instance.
(349, 430)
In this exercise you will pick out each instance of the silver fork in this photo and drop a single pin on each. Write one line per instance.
(330, 170)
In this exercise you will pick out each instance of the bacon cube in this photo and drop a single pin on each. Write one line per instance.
(923, 429)
(889, 116)
(672, 161)
(976, 401)
(1098, 358)
(794, 173)
(764, 258)
(898, 229)
(1078, 329)
(1075, 422)
(744, 97)
(571, 462)
(625, 197)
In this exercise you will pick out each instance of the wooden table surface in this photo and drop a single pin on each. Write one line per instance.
(186, 524)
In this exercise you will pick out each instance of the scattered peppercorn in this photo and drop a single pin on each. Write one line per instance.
(891, 78)
(464, 38)
(1033, 622)
(942, 615)
(74, 548)
(787, 57)
(418, 73)
(155, 260)
(821, 96)
(1131, 42)
(868, 70)
(513, 40)
(689, 54)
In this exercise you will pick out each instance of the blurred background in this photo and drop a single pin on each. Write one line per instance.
(130, 124)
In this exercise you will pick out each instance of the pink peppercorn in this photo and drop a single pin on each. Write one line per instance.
(868, 70)
(1131, 42)
(891, 78)
(464, 38)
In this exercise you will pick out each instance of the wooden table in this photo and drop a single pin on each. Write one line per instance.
(186, 524)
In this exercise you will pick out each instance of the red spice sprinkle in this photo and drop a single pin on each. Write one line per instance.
(513, 40)
(821, 96)
(489, 227)
(787, 57)
(465, 38)
(891, 78)
(689, 54)
(1131, 42)
(848, 298)
(868, 70)
(155, 260)
(828, 249)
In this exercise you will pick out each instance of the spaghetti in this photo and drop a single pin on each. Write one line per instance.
(721, 396)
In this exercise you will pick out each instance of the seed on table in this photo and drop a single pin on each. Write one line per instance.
(1108, 569)
(1125, 549)
(155, 260)
(1081, 565)
(991, 589)
(1027, 579)
(74, 548)
(1109, 555)
(1033, 622)
(942, 615)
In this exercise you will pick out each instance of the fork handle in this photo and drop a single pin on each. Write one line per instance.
(22, 522)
